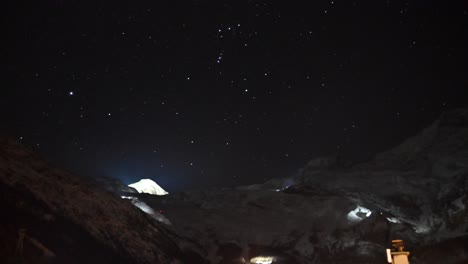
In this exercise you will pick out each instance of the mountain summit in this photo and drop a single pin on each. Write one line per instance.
(148, 186)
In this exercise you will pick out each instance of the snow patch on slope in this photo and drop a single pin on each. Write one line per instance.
(357, 215)
(147, 209)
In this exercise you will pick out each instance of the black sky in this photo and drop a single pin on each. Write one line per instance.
(220, 93)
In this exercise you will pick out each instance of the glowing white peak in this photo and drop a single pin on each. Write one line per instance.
(148, 186)
(357, 215)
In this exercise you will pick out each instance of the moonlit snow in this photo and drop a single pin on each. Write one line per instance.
(148, 186)
(357, 215)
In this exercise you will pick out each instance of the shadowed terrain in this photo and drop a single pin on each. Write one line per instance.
(332, 211)
(76, 221)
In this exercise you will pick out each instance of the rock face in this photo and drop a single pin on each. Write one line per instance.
(417, 191)
(68, 221)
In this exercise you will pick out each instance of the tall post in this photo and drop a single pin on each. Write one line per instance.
(20, 242)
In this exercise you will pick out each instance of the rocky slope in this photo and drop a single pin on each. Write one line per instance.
(69, 221)
(417, 191)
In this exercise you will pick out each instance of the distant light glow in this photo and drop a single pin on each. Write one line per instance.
(262, 260)
(389, 256)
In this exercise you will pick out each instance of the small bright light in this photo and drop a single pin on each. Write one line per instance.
(389, 256)
(71, 93)
(262, 260)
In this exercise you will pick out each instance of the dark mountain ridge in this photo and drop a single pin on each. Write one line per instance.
(330, 212)
(77, 221)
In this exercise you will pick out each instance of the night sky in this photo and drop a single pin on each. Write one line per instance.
(198, 94)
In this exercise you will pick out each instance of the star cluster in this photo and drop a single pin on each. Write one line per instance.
(196, 94)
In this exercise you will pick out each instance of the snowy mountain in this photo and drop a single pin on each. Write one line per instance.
(417, 191)
(148, 186)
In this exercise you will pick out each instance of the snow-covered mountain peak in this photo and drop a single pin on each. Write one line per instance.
(148, 186)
